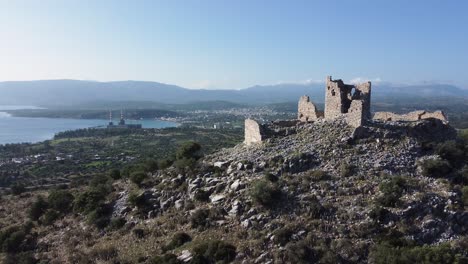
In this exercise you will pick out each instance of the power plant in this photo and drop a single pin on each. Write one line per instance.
(121, 123)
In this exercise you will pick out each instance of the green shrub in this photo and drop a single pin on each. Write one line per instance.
(188, 150)
(271, 177)
(283, 235)
(13, 241)
(151, 165)
(106, 253)
(60, 200)
(436, 168)
(165, 259)
(138, 200)
(138, 177)
(185, 163)
(139, 233)
(177, 240)
(199, 218)
(214, 251)
(318, 175)
(453, 152)
(100, 216)
(115, 174)
(346, 170)
(164, 163)
(265, 193)
(378, 213)
(465, 195)
(300, 253)
(388, 254)
(18, 188)
(38, 208)
(100, 179)
(391, 190)
(116, 223)
(20, 258)
(88, 201)
(49, 217)
(202, 196)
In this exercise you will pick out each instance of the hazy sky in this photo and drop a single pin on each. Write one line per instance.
(236, 43)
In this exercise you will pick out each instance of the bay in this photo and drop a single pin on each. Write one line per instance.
(26, 129)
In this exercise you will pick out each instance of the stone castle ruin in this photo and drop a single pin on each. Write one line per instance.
(411, 116)
(349, 102)
(307, 111)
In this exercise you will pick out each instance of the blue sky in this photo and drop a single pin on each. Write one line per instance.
(234, 44)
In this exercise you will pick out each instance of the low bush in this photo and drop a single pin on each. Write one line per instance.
(18, 188)
(38, 208)
(137, 199)
(139, 233)
(138, 177)
(271, 177)
(214, 251)
(346, 170)
(177, 240)
(49, 217)
(60, 200)
(388, 254)
(318, 175)
(300, 253)
(16, 239)
(202, 196)
(392, 190)
(88, 200)
(166, 259)
(465, 195)
(20, 258)
(379, 213)
(115, 174)
(436, 168)
(164, 163)
(283, 235)
(265, 193)
(116, 223)
(452, 151)
(200, 218)
(100, 216)
(105, 253)
(185, 163)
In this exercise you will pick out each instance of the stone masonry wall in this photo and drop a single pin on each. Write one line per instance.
(411, 116)
(355, 116)
(350, 101)
(306, 110)
(252, 133)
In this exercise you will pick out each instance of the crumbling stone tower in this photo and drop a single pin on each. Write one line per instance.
(351, 101)
(307, 111)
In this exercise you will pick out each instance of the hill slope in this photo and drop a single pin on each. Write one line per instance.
(322, 193)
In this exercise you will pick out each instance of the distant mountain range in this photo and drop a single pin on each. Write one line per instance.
(75, 92)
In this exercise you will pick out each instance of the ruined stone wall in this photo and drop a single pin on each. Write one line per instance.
(411, 116)
(252, 132)
(363, 92)
(339, 98)
(257, 133)
(307, 111)
(356, 116)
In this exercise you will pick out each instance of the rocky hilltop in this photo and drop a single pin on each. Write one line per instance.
(332, 187)
(323, 192)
